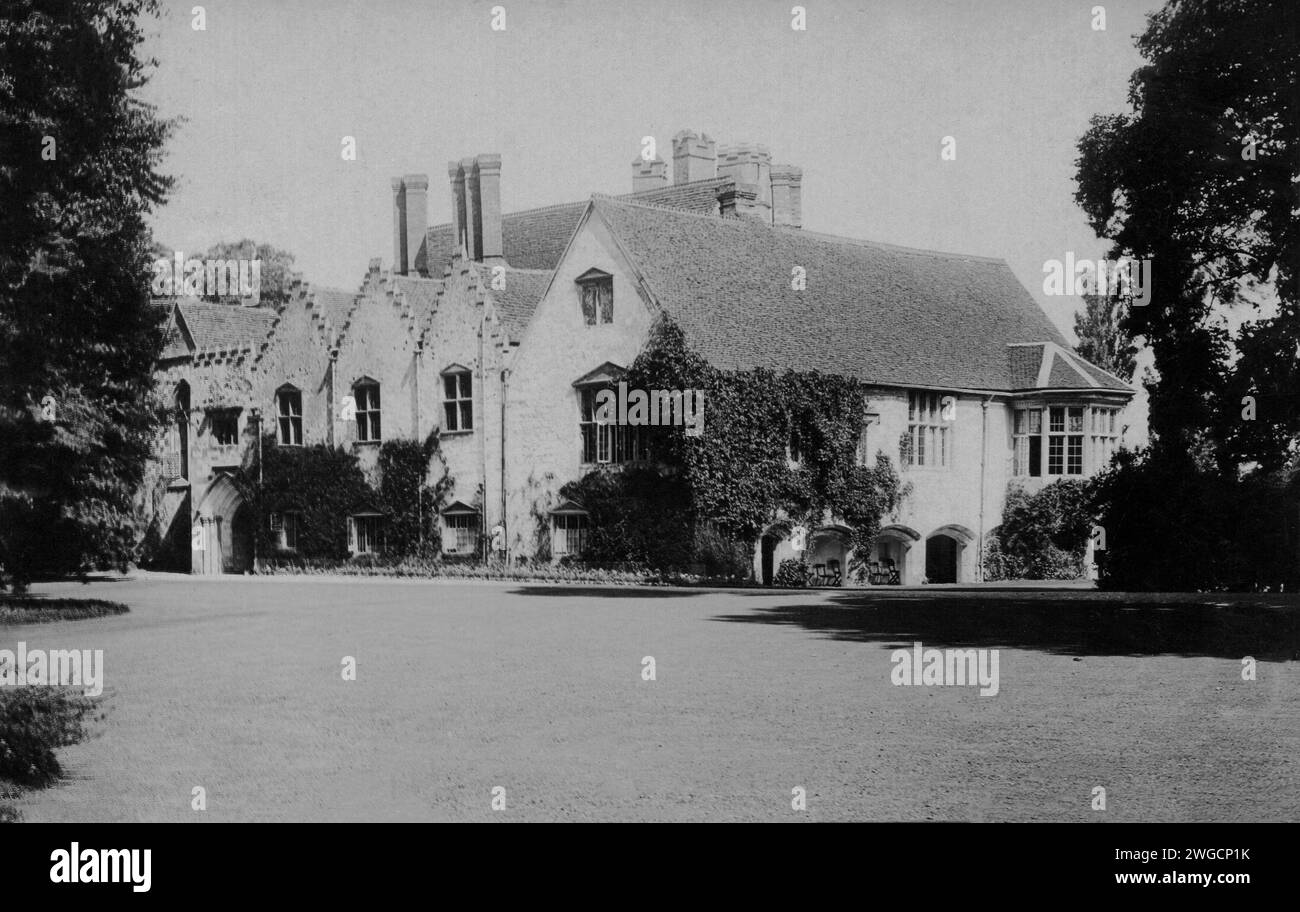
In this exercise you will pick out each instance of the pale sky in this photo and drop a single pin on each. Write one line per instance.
(861, 100)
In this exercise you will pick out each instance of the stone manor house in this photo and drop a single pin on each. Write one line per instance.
(495, 329)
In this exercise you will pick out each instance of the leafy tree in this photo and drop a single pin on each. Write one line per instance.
(79, 172)
(276, 272)
(1199, 177)
(1102, 339)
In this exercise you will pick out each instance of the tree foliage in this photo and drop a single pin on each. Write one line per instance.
(1043, 535)
(1102, 337)
(276, 272)
(1200, 177)
(79, 172)
(1174, 527)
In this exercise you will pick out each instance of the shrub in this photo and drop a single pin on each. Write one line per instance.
(792, 574)
(17, 609)
(1172, 525)
(34, 723)
(1043, 535)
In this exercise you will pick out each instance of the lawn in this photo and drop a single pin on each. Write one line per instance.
(235, 686)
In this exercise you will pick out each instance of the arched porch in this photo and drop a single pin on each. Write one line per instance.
(222, 532)
(949, 557)
(892, 552)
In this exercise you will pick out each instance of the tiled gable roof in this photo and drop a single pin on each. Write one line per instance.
(889, 315)
(536, 238)
(1023, 363)
(222, 326)
(1108, 381)
(1065, 375)
(517, 301)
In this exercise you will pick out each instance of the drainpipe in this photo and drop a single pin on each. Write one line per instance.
(259, 516)
(329, 398)
(984, 446)
(482, 370)
(505, 379)
(419, 482)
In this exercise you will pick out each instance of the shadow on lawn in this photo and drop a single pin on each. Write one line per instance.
(605, 592)
(1061, 625)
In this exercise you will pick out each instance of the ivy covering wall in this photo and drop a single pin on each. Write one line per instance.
(717, 492)
(325, 485)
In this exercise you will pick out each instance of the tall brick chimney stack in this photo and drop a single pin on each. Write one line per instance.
(787, 196)
(417, 223)
(473, 229)
(750, 163)
(488, 168)
(457, 179)
(399, 226)
(649, 175)
(694, 157)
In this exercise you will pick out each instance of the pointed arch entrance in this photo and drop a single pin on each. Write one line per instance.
(223, 528)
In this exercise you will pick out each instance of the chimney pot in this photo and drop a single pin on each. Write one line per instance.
(649, 175)
(750, 163)
(694, 157)
(787, 196)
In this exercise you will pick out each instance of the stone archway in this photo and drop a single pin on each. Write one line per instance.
(829, 551)
(222, 534)
(773, 547)
(948, 555)
(895, 543)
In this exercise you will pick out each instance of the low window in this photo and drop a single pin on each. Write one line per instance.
(365, 534)
(458, 401)
(569, 534)
(462, 533)
(284, 530)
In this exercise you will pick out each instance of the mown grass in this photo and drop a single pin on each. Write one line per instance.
(35, 721)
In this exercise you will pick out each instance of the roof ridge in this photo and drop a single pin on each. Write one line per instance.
(551, 206)
(644, 204)
(668, 187)
(802, 232)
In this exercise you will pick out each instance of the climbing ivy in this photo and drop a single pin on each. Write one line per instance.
(325, 485)
(738, 475)
(409, 501)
